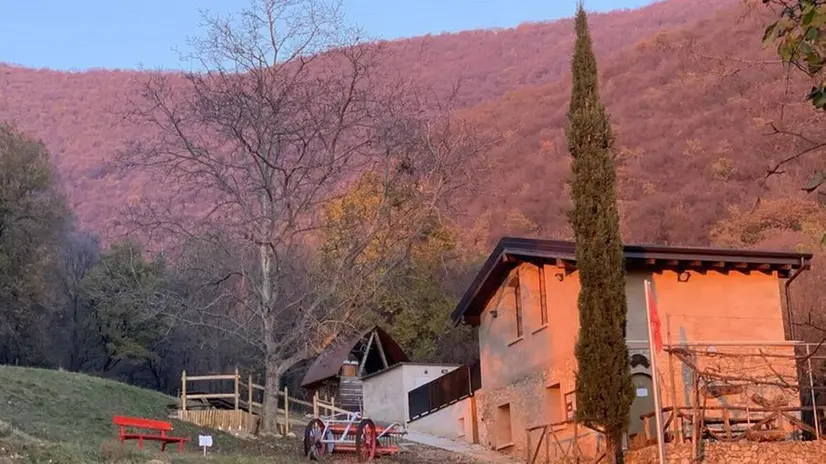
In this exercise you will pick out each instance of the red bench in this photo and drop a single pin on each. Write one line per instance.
(157, 432)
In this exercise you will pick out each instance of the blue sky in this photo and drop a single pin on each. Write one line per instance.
(82, 34)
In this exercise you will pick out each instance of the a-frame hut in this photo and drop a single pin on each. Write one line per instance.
(338, 370)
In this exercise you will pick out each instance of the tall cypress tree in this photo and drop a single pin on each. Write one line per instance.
(603, 382)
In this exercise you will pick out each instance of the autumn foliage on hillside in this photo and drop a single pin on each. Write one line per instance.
(690, 89)
(78, 114)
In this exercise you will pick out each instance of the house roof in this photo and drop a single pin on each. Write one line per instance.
(328, 364)
(511, 251)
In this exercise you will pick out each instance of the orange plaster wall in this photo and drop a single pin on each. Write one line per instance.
(516, 370)
(719, 307)
(722, 308)
(504, 357)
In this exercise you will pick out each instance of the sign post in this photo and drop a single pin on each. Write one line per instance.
(205, 441)
(655, 345)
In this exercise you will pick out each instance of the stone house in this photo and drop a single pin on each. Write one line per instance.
(523, 303)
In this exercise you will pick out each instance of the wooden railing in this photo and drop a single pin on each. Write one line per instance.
(247, 403)
(752, 423)
(243, 394)
(440, 392)
(565, 449)
(240, 403)
(324, 406)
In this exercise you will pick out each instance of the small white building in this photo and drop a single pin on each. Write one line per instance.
(386, 392)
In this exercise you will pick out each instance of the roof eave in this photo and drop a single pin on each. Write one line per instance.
(510, 250)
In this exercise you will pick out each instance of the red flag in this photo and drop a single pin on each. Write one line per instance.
(653, 317)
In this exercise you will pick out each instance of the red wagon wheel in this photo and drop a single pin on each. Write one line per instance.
(314, 448)
(366, 440)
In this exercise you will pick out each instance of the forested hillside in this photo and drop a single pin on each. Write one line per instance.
(79, 115)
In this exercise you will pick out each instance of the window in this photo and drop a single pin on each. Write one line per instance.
(553, 404)
(570, 405)
(518, 297)
(503, 426)
(543, 295)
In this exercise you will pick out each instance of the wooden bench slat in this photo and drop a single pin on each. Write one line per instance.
(141, 423)
(167, 438)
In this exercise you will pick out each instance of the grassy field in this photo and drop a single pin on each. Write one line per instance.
(62, 417)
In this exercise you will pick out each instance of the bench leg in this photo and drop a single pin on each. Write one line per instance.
(180, 446)
(140, 443)
(163, 447)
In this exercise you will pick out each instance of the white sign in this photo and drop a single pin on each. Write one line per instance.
(204, 441)
(642, 392)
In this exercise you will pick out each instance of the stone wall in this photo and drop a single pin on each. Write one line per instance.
(788, 452)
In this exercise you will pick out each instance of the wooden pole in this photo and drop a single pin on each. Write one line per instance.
(237, 388)
(528, 447)
(812, 392)
(366, 353)
(656, 381)
(381, 352)
(677, 432)
(249, 395)
(315, 404)
(286, 411)
(183, 390)
(695, 416)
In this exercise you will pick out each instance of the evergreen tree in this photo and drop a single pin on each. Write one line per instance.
(603, 383)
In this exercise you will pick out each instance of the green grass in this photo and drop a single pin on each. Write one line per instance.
(67, 417)
(60, 417)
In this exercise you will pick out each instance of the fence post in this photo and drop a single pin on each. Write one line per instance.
(237, 388)
(528, 445)
(469, 381)
(183, 390)
(815, 419)
(249, 395)
(286, 411)
(315, 404)
(332, 404)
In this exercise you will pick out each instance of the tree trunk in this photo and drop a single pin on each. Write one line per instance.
(613, 449)
(272, 384)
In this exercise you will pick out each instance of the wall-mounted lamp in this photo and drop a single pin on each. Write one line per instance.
(683, 276)
(494, 314)
(559, 276)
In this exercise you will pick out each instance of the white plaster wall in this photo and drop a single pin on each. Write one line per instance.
(446, 422)
(382, 396)
(385, 394)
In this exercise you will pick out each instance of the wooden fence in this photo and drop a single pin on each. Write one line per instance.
(238, 410)
(556, 443)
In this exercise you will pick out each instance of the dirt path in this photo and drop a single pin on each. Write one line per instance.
(474, 452)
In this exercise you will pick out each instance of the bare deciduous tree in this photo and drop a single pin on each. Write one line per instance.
(290, 111)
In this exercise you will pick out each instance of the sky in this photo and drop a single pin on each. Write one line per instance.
(123, 34)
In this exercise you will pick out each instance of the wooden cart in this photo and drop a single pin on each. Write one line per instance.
(350, 433)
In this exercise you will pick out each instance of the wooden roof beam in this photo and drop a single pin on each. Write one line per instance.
(765, 269)
(745, 268)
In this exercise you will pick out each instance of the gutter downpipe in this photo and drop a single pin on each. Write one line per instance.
(789, 296)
